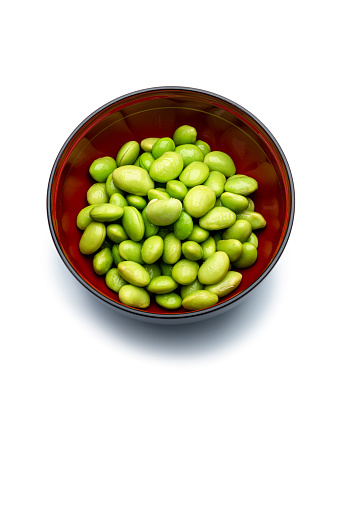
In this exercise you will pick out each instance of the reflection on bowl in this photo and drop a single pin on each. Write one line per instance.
(157, 112)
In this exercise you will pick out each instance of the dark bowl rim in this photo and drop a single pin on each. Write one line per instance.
(192, 314)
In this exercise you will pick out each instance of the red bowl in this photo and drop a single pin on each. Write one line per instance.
(157, 112)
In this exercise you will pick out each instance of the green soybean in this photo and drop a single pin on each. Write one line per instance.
(243, 185)
(192, 250)
(220, 161)
(114, 280)
(138, 201)
(183, 227)
(235, 202)
(148, 143)
(240, 230)
(153, 270)
(217, 218)
(162, 284)
(116, 233)
(84, 218)
(134, 297)
(103, 261)
(199, 200)
(194, 173)
(199, 300)
(133, 180)
(198, 234)
(228, 284)
(97, 194)
(189, 153)
(133, 223)
(251, 205)
(145, 160)
(92, 238)
(167, 167)
(216, 181)
(172, 249)
(118, 200)
(191, 288)
(232, 247)
(248, 257)
(253, 239)
(169, 301)
(152, 249)
(128, 153)
(101, 168)
(204, 147)
(176, 189)
(134, 273)
(184, 134)
(162, 146)
(185, 271)
(131, 251)
(214, 268)
(208, 248)
(233, 177)
(157, 193)
(106, 212)
(256, 220)
(163, 212)
(116, 256)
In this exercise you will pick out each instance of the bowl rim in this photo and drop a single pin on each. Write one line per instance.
(188, 315)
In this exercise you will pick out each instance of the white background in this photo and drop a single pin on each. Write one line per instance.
(101, 411)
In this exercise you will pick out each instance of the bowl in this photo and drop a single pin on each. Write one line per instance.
(157, 112)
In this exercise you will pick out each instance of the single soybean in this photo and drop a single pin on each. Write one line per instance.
(101, 168)
(185, 271)
(116, 233)
(216, 181)
(184, 134)
(92, 238)
(199, 200)
(189, 153)
(114, 280)
(256, 220)
(226, 285)
(133, 180)
(169, 301)
(162, 284)
(97, 194)
(191, 288)
(134, 297)
(131, 251)
(220, 161)
(199, 300)
(103, 261)
(176, 189)
(128, 153)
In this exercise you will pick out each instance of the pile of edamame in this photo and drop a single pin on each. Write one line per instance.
(170, 218)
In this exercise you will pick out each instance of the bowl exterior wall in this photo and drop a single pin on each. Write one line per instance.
(157, 112)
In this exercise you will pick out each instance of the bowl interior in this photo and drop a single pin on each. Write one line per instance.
(157, 113)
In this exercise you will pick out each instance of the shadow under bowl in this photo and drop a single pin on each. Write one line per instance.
(157, 112)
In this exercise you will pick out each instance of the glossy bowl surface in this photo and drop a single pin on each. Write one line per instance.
(157, 112)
